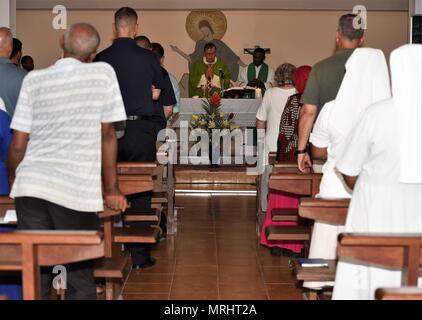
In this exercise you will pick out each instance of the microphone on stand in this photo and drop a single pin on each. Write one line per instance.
(220, 71)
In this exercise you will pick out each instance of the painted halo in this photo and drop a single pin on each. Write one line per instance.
(214, 18)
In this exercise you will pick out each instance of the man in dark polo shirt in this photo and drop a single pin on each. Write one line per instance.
(167, 98)
(324, 82)
(140, 80)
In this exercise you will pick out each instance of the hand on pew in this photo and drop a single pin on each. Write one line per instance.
(114, 199)
(304, 162)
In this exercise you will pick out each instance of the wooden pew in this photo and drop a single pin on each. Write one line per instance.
(133, 177)
(27, 251)
(405, 293)
(327, 211)
(395, 251)
(298, 184)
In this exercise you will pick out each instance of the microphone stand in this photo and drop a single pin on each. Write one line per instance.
(222, 83)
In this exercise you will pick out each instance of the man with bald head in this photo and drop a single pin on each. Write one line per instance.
(11, 77)
(140, 80)
(63, 137)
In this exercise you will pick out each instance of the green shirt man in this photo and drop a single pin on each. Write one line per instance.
(208, 75)
(325, 79)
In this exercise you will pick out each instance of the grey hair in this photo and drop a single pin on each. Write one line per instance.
(284, 74)
(81, 40)
(347, 29)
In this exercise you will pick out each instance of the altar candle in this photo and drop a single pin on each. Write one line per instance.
(258, 93)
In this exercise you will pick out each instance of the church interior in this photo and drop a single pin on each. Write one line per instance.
(210, 150)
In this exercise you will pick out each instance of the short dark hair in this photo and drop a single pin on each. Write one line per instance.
(143, 41)
(26, 59)
(157, 49)
(125, 13)
(347, 29)
(17, 47)
(259, 50)
(209, 45)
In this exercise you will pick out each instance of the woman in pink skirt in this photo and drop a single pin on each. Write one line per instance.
(286, 146)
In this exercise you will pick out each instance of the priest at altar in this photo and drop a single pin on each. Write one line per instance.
(209, 74)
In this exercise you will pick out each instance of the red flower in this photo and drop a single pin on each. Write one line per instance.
(215, 100)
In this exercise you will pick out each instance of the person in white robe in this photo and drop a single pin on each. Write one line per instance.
(366, 81)
(384, 150)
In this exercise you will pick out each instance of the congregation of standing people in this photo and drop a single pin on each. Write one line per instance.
(60, 142)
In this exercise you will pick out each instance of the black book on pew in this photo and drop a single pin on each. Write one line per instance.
(313, 263)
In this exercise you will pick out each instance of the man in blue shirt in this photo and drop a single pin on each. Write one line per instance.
(11, 77)
(140, 80)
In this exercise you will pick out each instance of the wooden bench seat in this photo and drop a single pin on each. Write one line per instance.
(405, 293)
(288, 233)
(284, 214)
(112, 267)
(10, 265)
(159, 198)
(136, 235)
(142, 215)
(314, 274)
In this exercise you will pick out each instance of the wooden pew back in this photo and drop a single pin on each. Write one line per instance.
(27, 251)
(302, 184)
(405, 293)
(323, 210)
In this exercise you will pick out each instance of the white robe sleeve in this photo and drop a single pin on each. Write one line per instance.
(320, 137)
(357, 147)
(242, 79)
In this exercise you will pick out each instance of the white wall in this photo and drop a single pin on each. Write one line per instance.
(8, 14)
(418, 6)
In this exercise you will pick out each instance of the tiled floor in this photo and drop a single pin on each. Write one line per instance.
(215, 255)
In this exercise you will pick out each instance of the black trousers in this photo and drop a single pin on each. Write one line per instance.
(37, 214)
(139, 144)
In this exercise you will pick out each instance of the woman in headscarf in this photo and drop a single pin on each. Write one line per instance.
(385, 151)
(366, 81)
(286, 146)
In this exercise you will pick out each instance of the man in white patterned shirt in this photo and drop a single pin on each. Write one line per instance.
(63, 136)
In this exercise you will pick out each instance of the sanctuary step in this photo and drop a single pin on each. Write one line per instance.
(195, 177)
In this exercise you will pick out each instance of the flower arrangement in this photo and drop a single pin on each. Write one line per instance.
(213, 118)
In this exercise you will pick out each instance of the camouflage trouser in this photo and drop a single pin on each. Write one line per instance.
(263, 195)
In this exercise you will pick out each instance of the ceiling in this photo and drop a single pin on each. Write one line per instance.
(399, 5)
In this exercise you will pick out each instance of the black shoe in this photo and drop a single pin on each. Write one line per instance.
(276, 252)
(149, 263)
